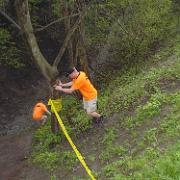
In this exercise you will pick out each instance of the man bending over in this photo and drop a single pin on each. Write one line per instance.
(39, 113)
(81, 82)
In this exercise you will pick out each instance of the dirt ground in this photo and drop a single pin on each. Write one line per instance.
(14, 151)
(16, 148)
(18, 94)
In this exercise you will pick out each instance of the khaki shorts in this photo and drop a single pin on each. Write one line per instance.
(90, 106)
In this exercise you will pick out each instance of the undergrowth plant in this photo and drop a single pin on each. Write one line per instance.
(140, 96)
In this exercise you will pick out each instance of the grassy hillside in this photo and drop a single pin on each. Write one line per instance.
(140, 136)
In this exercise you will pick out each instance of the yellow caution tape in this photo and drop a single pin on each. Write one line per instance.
(57, 104)
(78, 154)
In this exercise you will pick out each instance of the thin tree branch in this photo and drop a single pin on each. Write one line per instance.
(66, 41)
(10, 20)
(76, 53)
(68, 37)
(56, 21)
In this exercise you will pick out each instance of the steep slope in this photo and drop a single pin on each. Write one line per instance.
(139, 138)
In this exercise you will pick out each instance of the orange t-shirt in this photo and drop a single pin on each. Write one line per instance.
(38, 111)
(83, 84)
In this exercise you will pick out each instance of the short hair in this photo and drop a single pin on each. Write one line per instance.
(69, 71)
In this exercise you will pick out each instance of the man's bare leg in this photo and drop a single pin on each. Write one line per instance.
(94, 114)
(44, 119)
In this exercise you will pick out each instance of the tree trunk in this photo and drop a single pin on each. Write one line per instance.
(66, 41)
(54, 122)
(46, 69)
(23, 15)
(76, 51)
(82, 54)
(81, 45)
(67, 24)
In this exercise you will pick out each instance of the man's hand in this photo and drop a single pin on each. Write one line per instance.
(58, 82)
(58, 88)
(65, 90)
(48, 112)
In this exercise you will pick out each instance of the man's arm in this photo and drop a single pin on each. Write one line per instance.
(67, 84)
(65, 90)
(48, 112)
(59, 83)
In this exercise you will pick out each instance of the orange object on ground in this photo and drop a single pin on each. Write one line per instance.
(38, 111)
(83, 84)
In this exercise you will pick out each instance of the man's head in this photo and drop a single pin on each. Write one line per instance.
(72, 73)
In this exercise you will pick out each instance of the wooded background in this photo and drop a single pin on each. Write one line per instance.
(45, 37)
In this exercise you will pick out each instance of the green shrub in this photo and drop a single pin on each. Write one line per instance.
(46, 159)
(129, 30)
(74, 115)
(10, 55)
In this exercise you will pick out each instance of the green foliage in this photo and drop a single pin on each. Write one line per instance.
(170, 126)
(159, 166)
(47, 153)
(76, 121)
(76, 118)
(44, 11)
(176, 6)
(129, 29)
(46, 159)
(112, 151)
(148, 23)
(150, 136)
(1, 3)
(109, 137)
(53, 177)
(10, 55)
(50, 160)
(110, 146)
(146, 158)
(102, 102)
(147, 111)
(112, 171)
(150, 165)
(148, 128)
(56, 5)
(100, 19)
(44, 138)
(139, 81)
(81, 121)
(68, 159)
(43, 153)
(123, 94)
(33, 11)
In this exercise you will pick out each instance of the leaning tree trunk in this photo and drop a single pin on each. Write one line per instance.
(81, 45)
(46, 69)
(54, 123)
(23, 15)
(82, 54)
